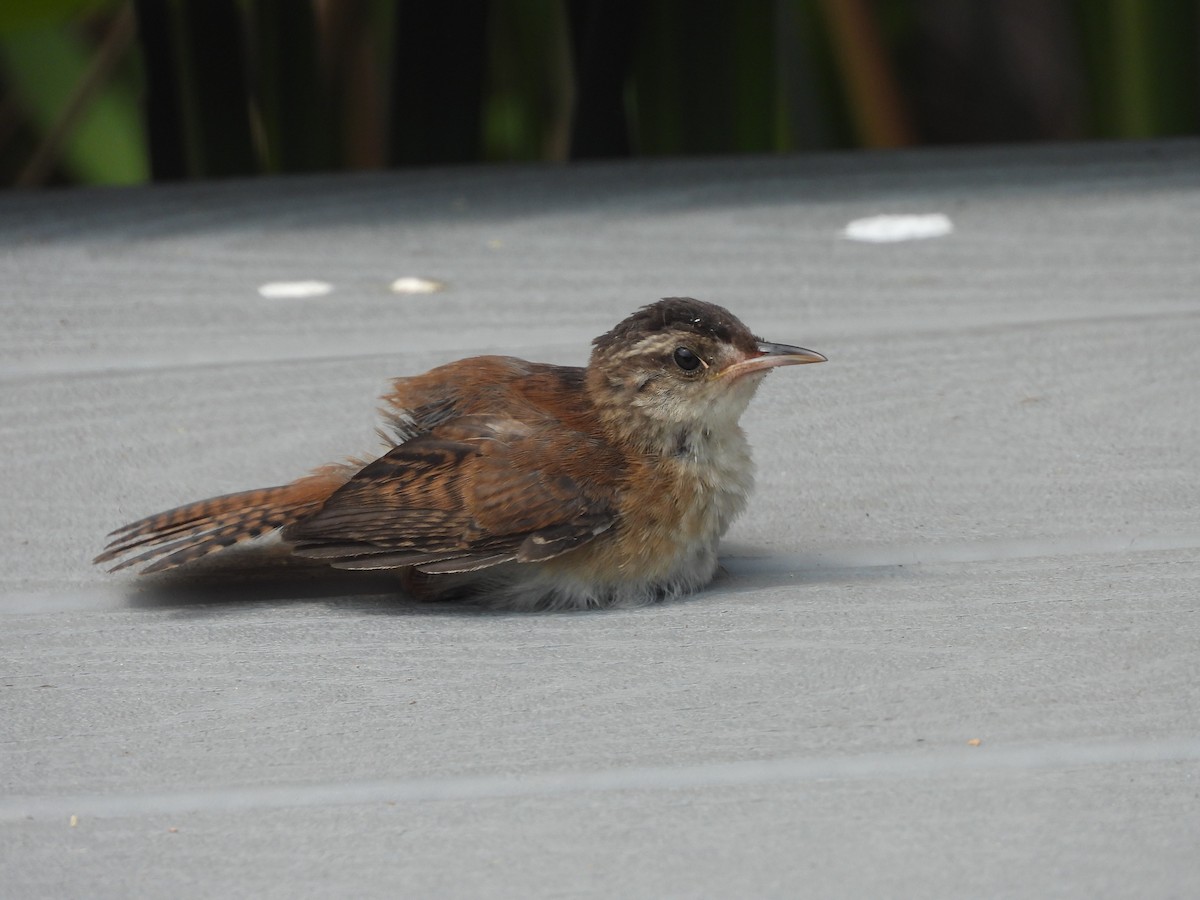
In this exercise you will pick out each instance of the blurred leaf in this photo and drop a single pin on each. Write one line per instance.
(1142, 66)
(814, 113)
(528, 72)
(44, 67)
(16, 15)
(293, 100)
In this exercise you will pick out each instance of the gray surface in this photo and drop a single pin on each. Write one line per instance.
(980, 520)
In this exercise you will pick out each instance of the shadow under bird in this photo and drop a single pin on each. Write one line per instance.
(525, 485)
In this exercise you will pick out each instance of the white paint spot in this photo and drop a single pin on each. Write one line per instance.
(889, 229)
(411, 285)
(286, 290)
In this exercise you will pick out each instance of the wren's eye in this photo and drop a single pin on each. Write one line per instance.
(686, 359)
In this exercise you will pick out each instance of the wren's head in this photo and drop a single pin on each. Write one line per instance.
(681, 364)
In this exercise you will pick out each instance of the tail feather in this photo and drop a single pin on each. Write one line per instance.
(125, 543)
(176, 536)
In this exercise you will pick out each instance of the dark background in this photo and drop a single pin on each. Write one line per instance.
(123, 92)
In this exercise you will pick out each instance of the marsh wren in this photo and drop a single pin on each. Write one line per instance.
(526, 485)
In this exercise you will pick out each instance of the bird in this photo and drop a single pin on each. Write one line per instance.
(522, 485)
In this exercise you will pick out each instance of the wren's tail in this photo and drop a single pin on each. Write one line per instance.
(180, 535)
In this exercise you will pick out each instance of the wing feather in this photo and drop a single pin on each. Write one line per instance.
(472, 492)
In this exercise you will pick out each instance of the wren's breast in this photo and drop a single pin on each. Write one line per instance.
(675, 510)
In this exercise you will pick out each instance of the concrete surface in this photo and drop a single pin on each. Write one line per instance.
(955, 651)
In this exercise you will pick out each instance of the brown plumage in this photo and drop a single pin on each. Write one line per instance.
(180, 535)
(523, 484)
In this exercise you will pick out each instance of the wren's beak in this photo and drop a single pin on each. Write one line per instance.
(770, 356)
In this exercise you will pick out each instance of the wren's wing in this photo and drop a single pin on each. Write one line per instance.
(469, 493)
(417, 404)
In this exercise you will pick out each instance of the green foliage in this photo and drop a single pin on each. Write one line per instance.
(17, 15)
(527, 79)
(262, 86)
(45, 65)
(1141, 65)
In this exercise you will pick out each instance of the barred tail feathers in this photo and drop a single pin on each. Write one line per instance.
(176, 536)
